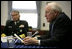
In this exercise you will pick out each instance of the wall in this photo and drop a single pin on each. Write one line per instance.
(4, 12)
(43, 19)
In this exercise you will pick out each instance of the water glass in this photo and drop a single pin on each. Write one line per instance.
(29, 34)
(10, 41)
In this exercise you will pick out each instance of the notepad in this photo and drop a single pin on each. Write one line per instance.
(4, 39)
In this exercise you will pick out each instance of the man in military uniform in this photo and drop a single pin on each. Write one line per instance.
(16, 25)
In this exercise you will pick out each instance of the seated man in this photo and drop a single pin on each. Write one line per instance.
(59, 34)
(16, 25)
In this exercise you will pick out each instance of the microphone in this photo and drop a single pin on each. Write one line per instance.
(35, 33)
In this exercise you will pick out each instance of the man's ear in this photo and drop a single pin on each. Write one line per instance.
(56, 13)
(19, 16)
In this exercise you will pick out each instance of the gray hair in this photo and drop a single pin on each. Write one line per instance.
(55, 6)
(16, 11)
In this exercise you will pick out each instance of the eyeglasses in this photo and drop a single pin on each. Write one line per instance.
(48, 12)
(14, 15)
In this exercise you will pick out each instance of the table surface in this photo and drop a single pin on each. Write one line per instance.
(4, 45)
(20, 45)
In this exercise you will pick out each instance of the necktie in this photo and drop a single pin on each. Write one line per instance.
(51, 28)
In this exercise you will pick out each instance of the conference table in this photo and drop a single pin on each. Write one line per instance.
(18, 44)
(4, 45)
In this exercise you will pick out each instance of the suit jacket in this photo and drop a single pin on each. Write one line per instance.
(59, 34)
(12, 28)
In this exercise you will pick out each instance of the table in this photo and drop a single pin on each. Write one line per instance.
(5, 45)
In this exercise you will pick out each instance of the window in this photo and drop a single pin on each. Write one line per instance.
(28, 11)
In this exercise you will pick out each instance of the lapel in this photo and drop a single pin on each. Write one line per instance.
(52, 24)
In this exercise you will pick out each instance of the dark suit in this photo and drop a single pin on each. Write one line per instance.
(12, 28)
(59, 34)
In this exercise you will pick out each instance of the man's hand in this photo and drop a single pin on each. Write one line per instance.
(29, 40)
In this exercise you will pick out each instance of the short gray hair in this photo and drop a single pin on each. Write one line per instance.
(15, 11)
(55, 6)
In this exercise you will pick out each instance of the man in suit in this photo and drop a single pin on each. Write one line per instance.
(59, 34)
(16, 25)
